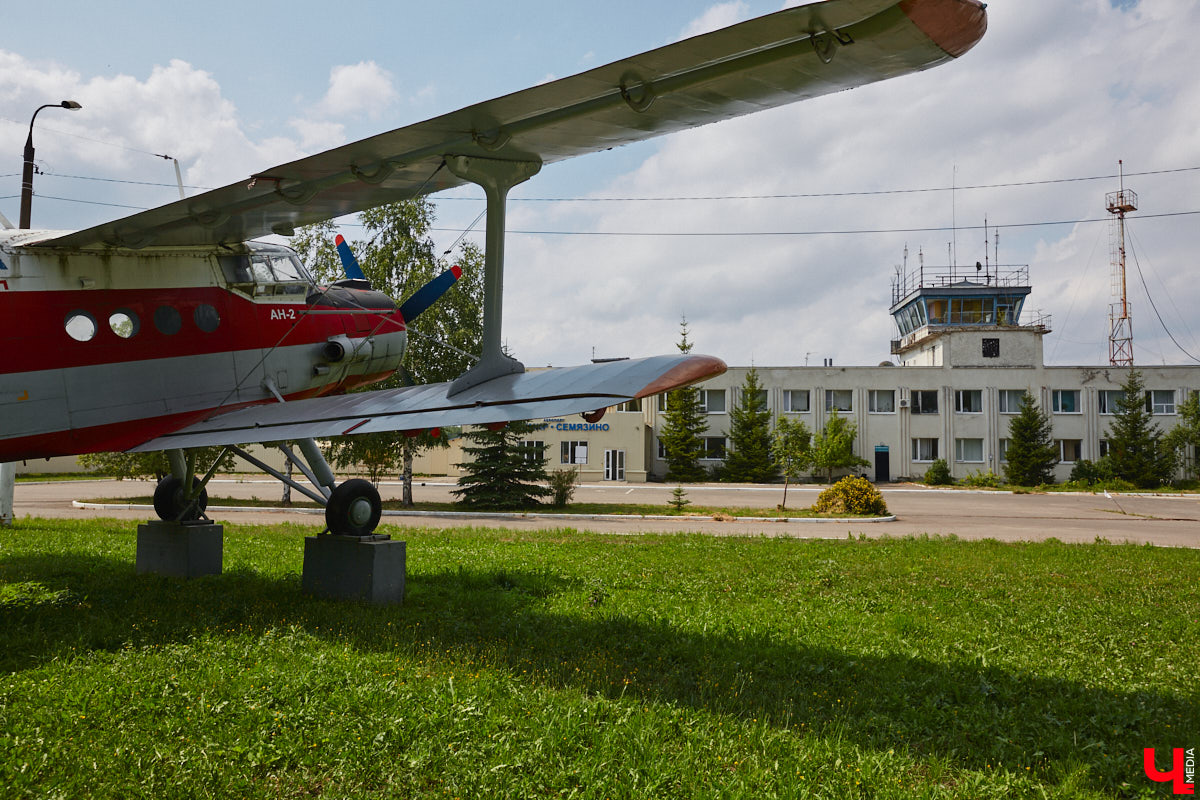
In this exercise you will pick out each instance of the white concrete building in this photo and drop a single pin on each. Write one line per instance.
(964, 357)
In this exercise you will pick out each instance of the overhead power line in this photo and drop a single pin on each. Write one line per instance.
(845, 232)
(695, 198)
(1166, 330)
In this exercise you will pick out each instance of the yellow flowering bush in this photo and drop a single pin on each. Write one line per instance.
(851, 496)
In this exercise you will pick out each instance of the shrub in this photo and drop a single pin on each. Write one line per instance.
(1088, 472)
(562, 483)
(982, 479)
(938, 474)
(851, 496)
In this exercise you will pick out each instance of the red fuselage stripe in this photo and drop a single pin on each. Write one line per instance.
(36, 336)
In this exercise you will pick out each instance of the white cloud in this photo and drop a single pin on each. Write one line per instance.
(357, 89)
(719, 16)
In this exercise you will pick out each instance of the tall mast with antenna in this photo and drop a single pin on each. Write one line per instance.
(1120, 324)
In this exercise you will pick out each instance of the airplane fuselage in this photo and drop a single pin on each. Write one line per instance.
(106, 349)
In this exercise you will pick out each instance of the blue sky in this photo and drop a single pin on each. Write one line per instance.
(1057, 89)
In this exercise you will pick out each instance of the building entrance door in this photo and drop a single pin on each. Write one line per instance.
(614, 465)
(882, 466)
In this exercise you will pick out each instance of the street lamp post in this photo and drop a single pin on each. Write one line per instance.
(27, 175)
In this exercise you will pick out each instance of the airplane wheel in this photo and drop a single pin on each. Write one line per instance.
(353, 508)
(171, 505)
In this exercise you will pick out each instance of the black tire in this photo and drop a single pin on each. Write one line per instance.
(171, 505)
(353, 509)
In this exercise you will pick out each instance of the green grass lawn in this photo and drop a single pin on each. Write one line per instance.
(566, 664)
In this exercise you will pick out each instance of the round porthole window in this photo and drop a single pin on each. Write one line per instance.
(124, 323)
(167, 320)
(81, 326)
(206, 317)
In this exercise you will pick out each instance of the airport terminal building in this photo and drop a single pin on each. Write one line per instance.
(964, 355)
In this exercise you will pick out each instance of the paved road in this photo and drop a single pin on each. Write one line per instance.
(1163, 520)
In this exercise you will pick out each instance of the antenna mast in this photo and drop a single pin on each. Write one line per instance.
(1120, 324)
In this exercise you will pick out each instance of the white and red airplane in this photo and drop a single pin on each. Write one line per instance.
(172, 329)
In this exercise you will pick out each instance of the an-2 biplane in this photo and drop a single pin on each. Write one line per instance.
(172, 329)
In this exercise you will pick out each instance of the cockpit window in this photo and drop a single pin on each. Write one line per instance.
(278, 272)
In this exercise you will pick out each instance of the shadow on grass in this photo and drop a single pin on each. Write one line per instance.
(968, 714)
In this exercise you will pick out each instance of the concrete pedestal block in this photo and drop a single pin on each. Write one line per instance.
(180, 549)
(370, 568)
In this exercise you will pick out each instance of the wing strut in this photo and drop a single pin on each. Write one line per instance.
(496, 177)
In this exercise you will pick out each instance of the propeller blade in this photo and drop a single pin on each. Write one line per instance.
(428, 294)
(349, 262)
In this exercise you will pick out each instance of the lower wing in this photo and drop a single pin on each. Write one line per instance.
(530, 395)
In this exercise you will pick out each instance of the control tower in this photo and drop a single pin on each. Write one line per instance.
(965, 316)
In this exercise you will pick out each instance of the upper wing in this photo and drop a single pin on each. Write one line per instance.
(530, 395)
(776, 59)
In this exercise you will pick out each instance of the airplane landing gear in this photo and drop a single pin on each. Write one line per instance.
(173, 504)
(353, 508)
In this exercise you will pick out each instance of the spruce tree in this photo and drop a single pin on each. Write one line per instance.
(1136, 450)
(749, 459)
(683, 428)
(1032, 453)
(498, 472)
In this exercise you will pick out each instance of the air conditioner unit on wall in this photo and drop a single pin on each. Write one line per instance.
(903, 403)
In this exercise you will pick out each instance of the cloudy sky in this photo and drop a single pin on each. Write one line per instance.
(815, 203)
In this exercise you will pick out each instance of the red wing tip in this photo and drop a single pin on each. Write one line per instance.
(953, 25)
(456, 270)
(696, 368)
(339, 239)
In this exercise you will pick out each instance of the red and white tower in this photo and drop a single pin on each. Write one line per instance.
(1120, 324)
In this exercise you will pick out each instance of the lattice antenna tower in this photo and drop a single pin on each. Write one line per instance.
(1120, 324)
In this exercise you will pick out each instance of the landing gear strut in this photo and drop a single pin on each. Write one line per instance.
(352, 508)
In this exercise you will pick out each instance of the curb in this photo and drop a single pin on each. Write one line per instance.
(502, 514)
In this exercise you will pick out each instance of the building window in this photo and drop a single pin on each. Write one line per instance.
(662, 450)
(1065, 401)
(712, 401)
(924, 449)
(1160, 401)
(714, 448)
(881, 401)
(1002, 450)
(535, 451)
(1069, 450)
(1103, 448)
(991, 348)
(839, 399)
(763, 403)
(1010, 400)
(968, 401)
(573, 452)
(632, 405)
(796, 401)
(662, 402)
(1109, 400)
(968, 450)
(924, 401)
